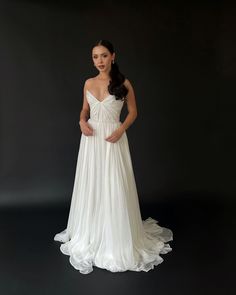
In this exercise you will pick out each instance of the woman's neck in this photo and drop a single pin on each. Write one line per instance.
(103, 76)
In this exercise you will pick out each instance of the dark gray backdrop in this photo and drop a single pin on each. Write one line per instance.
(179, 56)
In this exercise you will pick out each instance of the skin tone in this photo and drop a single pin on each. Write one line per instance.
(98, 87)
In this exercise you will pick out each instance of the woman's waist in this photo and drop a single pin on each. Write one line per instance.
(104, 121)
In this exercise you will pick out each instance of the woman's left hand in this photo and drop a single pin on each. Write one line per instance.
(116, 135)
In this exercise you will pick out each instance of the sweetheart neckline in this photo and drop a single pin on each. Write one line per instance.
(98, 99)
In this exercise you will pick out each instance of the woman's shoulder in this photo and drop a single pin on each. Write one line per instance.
(127, 83)
(89, 80)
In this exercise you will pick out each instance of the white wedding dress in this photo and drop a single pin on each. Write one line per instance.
(105, 228)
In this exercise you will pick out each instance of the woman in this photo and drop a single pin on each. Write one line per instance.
(105, 228)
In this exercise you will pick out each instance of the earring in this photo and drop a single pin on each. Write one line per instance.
(113, 61)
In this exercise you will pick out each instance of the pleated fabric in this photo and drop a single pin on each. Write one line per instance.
(105, 227)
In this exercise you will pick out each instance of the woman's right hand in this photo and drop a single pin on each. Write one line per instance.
(85, 128)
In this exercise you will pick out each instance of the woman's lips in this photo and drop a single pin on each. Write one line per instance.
(101, 67)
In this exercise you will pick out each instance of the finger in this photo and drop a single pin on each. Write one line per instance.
(87, 132)
(90, 127)
(111, 138)
(90, 130)
(111, 135)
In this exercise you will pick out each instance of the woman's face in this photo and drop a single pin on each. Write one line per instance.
(102, 58)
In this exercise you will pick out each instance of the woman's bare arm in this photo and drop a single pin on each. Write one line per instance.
(86, 129)
(85, 112)
(131, 105)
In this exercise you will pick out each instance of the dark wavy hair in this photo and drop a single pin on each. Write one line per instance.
(116, 86)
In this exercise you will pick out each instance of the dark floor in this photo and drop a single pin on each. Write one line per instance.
(202, 260)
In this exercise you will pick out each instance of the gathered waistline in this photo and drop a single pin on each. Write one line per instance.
(100, 121)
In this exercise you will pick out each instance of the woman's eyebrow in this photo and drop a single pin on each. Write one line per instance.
(100, 54)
